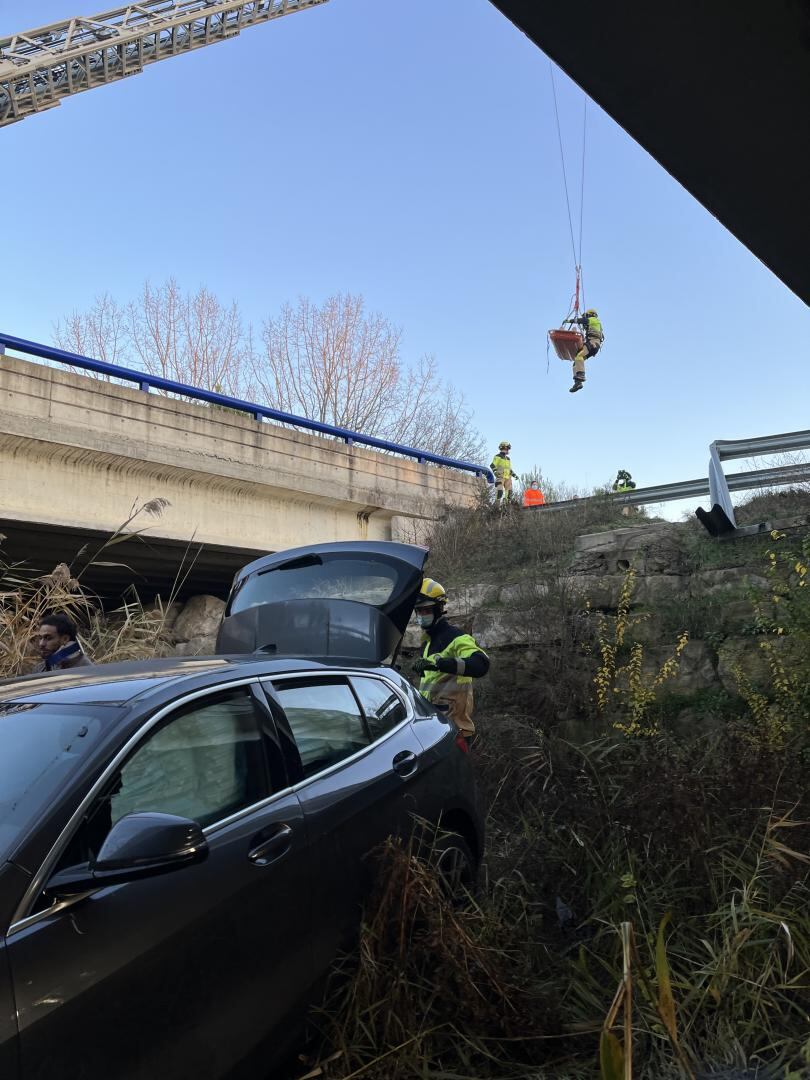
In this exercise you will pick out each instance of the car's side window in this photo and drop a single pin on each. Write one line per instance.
(382, 707)
(205, 762)
(324, 719)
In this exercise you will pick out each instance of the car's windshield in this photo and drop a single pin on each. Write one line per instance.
(42, 747)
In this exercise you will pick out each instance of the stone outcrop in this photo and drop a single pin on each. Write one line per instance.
(668, 596)
(651, 549)
(195, 627)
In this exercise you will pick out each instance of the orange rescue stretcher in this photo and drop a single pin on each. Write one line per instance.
(567, 343)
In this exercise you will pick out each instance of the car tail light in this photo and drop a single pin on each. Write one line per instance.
(462, 743)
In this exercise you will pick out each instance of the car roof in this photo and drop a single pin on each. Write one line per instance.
(121, 683)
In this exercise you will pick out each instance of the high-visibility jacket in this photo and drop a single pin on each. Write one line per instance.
(502, 467)
(533, 497)
(591, 327)
(453, 691)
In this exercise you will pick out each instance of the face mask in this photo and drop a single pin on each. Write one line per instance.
(425, 620)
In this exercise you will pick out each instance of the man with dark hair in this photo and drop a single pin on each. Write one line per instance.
(57, 644)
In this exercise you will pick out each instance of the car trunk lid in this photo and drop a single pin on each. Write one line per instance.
(348, 600)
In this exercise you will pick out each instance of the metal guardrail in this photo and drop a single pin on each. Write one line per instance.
(689, 489)
(146, 382)
(720, 520)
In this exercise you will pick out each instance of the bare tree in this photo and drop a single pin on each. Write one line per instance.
(339, 365)
(100, 333)
(190, 337)
(334, 362)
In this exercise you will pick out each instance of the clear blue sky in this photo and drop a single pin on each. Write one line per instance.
(407, 151)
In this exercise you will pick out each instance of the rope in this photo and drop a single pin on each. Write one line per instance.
(582, 181)
(562, 160)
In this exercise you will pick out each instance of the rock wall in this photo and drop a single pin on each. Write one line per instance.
(671, 594)
(554, 609)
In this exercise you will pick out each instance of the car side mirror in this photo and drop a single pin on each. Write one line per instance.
(137, 846)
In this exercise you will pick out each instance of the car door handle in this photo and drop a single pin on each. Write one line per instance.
(405, 763)
(270, 848)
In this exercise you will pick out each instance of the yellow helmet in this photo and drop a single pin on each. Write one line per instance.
(430, 592)
(504, 445)
(592, 313)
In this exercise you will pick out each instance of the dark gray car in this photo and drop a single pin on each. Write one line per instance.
(183, 842)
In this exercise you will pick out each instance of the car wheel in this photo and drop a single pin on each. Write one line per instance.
(456, 866)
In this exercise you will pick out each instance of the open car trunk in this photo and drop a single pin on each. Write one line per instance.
(348, 600)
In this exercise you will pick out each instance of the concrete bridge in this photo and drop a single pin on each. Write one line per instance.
(76, 453)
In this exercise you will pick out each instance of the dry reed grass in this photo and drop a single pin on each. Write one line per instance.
(129, 632)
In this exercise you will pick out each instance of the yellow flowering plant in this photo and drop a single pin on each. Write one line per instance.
(626, 690)
(782, 709)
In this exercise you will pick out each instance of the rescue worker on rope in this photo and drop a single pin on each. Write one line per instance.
(502, 467)
(533, 496)
(450, 659)
(593, 336)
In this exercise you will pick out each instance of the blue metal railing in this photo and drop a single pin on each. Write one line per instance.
(145, 382)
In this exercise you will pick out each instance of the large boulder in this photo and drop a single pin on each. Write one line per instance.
(650, 549)
(199, 622)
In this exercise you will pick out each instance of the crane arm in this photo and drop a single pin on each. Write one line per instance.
(41, 67)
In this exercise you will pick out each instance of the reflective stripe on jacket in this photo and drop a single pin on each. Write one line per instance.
(592, 327)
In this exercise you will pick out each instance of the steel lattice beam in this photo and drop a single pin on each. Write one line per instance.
(41, 67)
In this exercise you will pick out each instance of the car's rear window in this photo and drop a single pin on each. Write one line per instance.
(43, 746)
(326, 577)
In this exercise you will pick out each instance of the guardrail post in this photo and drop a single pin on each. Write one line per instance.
(718, 487)
(144, 385)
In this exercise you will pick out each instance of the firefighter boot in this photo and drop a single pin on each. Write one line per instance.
(579, 382)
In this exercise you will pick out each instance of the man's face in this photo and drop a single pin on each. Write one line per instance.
(49, 640)
(424, 615)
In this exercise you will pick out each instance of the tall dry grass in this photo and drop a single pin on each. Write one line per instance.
(129, 632)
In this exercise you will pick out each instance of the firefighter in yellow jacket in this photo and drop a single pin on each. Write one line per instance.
(593, 336)
(504, 472)
(450, 659)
